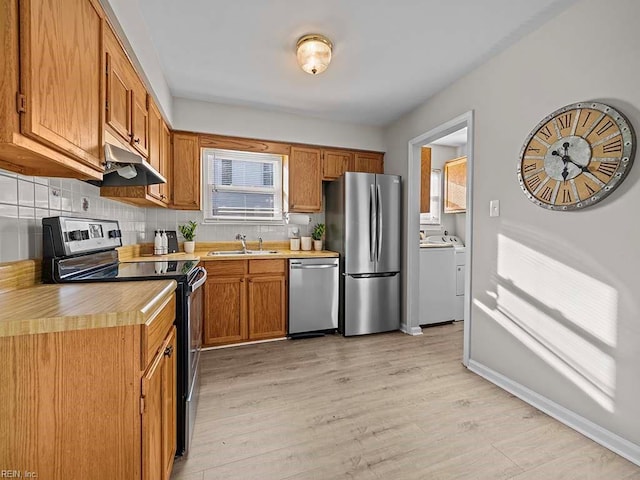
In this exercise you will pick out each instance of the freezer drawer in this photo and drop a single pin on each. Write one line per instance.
(371, 304)
(313, 295)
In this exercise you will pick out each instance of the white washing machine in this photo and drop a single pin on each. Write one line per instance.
(442, 279)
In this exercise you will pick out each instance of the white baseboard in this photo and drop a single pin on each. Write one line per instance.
(604, 437)
(410, 330)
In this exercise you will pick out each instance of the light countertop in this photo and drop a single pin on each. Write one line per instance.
(202, 255)
(65, 307)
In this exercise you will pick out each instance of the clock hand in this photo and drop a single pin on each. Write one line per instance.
(565, 172)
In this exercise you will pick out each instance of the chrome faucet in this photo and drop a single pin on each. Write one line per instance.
(243, 240)
(260, 243)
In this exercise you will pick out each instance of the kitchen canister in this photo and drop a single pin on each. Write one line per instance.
(305, 243)
(294, 244)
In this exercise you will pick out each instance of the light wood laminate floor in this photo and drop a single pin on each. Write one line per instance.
(387, 406)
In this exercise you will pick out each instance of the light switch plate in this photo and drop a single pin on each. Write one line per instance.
(494, 208)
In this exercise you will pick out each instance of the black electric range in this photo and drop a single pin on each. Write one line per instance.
(84, 250)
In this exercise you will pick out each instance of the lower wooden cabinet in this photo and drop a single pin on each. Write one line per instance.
(245, 300)
(98, 403)
(159, 412)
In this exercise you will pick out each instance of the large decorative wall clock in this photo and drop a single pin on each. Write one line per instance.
(576, 156)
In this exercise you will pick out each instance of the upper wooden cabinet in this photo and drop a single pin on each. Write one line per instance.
(455, 185)
(185, 178)
(156, 147)
(370, 162)
(51, 88)
(126, 107)
(425, 180)
(335, 163)
(305, 180)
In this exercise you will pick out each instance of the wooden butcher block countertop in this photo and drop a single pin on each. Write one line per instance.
(58, 308)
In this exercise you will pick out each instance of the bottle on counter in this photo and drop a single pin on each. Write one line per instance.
(165, 242)
(157, 244)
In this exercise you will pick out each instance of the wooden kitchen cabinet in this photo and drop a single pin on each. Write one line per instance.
(335, 163)
(305, 180)
(126, 110)
(370, 162)
(96, 403)
(185, 178)
(51, 90)
(244, 300)
(455, 185)
(159, 412)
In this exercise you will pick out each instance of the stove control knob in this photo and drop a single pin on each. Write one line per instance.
(115, 234)
(75, 235)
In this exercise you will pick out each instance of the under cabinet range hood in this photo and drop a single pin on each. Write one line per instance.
(126, 169)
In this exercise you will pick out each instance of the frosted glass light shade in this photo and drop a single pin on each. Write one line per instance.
(314, 53)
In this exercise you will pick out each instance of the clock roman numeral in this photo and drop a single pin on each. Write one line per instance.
(546, 194)
(545, 132)
(532, 149)
(607, 169)
(613, 146)
(565, 120)
(586, 119)
(604, 127)
(533, 182)
(529, 168)
(589, 188)
(566, 196)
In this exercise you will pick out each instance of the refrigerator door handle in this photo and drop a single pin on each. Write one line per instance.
(372, 224)
(378, 222)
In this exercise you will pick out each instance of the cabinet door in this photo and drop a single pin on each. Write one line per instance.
(225, 311)
(368, 162)
(118, 102)
(185, 181)
(455, 185)
(165, 163)
(62, 76)
(335, 163)
(155, 145)
(425, 180)
(305, 182)
(267, 314)
(152, 428)
(140, 119)
(169, 405)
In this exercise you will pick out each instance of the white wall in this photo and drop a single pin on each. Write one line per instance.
(250, 122)
(555, 308)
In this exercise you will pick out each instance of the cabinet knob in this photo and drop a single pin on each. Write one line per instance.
(168, 351)
(136, 140)
(163, 197)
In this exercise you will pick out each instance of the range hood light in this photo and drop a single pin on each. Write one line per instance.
(128, 172)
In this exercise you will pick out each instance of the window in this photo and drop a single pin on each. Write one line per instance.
(242, 185)
(433, 217)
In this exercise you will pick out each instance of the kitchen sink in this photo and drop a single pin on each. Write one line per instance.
(240, 252)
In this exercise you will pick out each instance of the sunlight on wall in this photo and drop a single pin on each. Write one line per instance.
(564, 316)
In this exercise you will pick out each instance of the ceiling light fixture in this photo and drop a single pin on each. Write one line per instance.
(314, 53)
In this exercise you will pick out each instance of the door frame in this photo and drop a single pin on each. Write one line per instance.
(413, 226)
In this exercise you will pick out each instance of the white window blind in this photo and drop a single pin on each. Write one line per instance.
(433, 217)
(242, 185)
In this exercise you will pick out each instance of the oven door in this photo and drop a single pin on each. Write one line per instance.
(195, 313)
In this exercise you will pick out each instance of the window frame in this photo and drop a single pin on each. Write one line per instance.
(240, 155)
(435, 200)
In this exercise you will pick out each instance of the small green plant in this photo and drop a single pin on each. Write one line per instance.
(188, 231)
(318, 231)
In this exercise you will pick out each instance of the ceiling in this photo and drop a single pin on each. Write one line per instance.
(388, 56)
(455, 139)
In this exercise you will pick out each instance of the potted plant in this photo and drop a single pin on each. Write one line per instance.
(318, 236)
(188, 231)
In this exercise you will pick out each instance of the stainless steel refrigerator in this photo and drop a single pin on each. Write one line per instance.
(363, 217)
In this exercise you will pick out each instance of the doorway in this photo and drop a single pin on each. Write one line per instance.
(412, 227)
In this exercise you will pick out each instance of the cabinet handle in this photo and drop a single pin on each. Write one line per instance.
(163, 197)
(136, 140)
(168, 351)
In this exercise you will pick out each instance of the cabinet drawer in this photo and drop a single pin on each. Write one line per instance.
(154, 333)
(226, 268)
(267, 266)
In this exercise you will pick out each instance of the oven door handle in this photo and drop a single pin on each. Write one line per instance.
(199, 279)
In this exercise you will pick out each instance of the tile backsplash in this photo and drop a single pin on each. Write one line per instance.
(25, 200)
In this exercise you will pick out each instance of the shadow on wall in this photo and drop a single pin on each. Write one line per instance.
(566, 317)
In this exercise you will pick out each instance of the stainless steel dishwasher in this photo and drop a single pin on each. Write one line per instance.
(313, 295)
